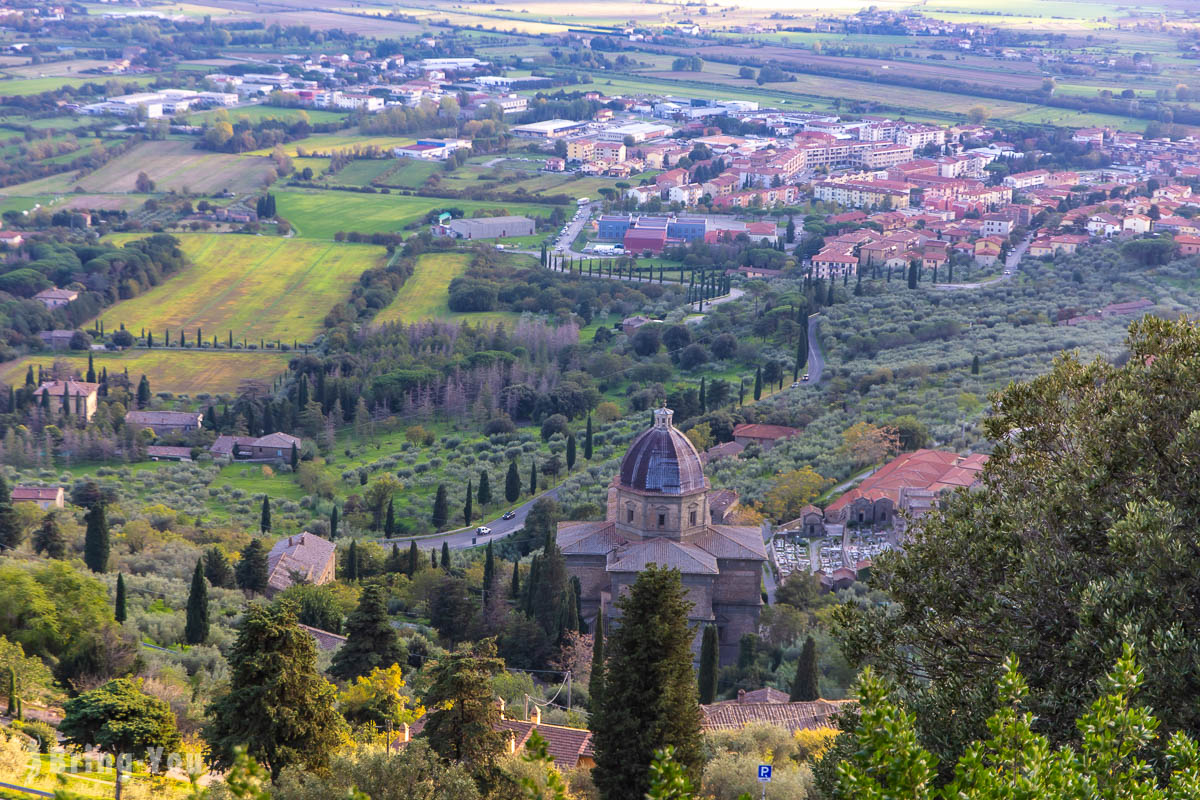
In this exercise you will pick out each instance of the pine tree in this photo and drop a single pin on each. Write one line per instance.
(587, 440)
(649, 656)
(414, 563)
(217, 569)
(333, 523)
(467, 503)
(441, 508)
(533, 476)
(371, 641)
(196, 629)
(96, 542)
(120, 612)
(975, 364)
(49, 540)
(264, 519)
(485, 489)
(251, 570)
(709, 664)
(758, 384)
(805, 687)
(570, 451)
(389, 521)
(512, 483)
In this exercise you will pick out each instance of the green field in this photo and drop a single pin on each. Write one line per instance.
(258, 113)
(179, 371)
(320, 215)
(362, 171)
(424, 295)
(21, 87)
(257, 287)
(335, 143)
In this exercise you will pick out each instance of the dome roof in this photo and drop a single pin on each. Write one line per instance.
(662, 460)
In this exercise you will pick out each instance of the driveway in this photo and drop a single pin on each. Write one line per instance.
(1010, 268)
(465, 538)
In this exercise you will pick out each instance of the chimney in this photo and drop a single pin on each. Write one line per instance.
(405, 734)
(512, 743)
(501, 703)
(741, 696)
(289, 541)
(536, 716)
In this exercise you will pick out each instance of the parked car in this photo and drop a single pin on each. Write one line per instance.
(795, 384)
(805, 377)
(509, 515)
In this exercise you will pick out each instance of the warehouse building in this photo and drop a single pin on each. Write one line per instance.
(486, 227)
(548, 129)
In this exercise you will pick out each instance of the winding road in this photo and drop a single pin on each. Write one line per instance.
(465, 538)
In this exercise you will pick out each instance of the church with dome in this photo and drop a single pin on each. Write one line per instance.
(658, 513)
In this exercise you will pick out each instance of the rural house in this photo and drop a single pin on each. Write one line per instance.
(46, 497)
(81, 397)
(765, 436)
(769, 706)
(165, 421)
(304, 558)
(59, 339)
(272, 447)
(56, 298)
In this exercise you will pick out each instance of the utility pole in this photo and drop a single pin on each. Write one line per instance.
(568, 690)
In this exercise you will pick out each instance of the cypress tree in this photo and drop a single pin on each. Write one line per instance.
(395, 562)
(196, 629)
(445, 556)
(11, 532)
(703, 394)
(757, 383)
(533, 476)
(515, 589)
(352, 561)
(441, 508)
(570, 451)
(295, 458)
(251, 570)
(91, 370)
(649, 656)
(143, 392)
(13, 700)
(485, 489)
(413, 562)
(805, 687)
(535, 568)
(120, 613)
(587, 440)
(96, 543)
(49, 538)
(489, 569)
(975, 365)
(467, 504)
(512, 483)
(371, 641)
(433, 558)
(264, 519)
(333, 523)
(389, 521)
(709, 659)
(596, 682)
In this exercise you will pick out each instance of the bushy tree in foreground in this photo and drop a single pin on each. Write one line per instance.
(1117, 743)
(1081, 536)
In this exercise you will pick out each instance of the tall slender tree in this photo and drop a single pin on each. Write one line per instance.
(217, 569)
(485, 490)
(467, 503)
(758, 383)
(352, 561)
(441, 508)
(251, 570)
(333, 523)
(414, 561)
(120, 610)
(805, 686)
(596, 682)
(489, 569)
(389, 520)
(515, 589)
(570, 451)
(533, 476)
(512, 483)
(195, 631)
(264, 517)
(445, 556)
(96, 541)
(709, 663)
(587, 439)
(11, 532)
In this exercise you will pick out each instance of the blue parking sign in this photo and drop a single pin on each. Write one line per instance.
(764, 773)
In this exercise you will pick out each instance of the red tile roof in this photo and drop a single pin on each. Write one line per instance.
(565, 745)
(924, 469)
(754, 430)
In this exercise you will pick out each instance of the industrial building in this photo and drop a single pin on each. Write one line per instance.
(485, 227)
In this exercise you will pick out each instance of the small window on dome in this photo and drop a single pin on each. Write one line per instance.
(629, 515)
(692, 518)
(662, 520)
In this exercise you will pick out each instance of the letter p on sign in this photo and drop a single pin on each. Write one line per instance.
(764, 773)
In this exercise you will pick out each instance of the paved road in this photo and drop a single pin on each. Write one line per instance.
(1011, 265)
(816, 362)
(466, 538)
(563, 243)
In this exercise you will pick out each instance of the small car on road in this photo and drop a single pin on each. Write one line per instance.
(482, 530)
(509, 515)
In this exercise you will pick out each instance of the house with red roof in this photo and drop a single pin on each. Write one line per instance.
(765, 436)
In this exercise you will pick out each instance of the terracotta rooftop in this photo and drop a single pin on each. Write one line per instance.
(35, 493)
(304, 554)
(325, 639)
(923, 469)
(731, 716)
(754, 430)
(564, 745)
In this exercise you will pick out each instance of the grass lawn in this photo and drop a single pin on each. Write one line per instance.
(179, 371)
(319, 215)
(258, 113)
(362, 171)
(23, 203)
(425, 295)
(411, 174)
(21, 87)
(258, 287)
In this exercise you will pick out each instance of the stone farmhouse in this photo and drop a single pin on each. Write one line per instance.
(165, 421)
(82, 397)
(659, 513)
(46, 497)
(272, 447)
(303, 558)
